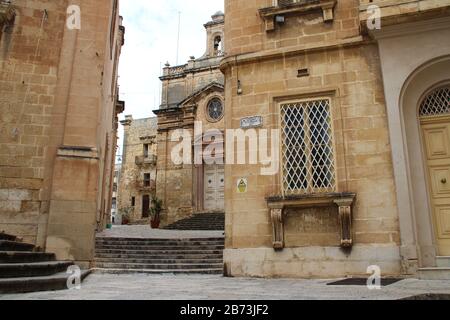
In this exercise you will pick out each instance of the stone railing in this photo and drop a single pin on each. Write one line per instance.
(174, 71)
(146, 186)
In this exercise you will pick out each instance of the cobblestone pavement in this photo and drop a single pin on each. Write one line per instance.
(147, 232)
(200, 287)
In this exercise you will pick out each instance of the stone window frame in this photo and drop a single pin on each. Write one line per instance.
(207, 106)
(335, 166)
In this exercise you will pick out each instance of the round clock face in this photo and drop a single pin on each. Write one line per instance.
(215, 109)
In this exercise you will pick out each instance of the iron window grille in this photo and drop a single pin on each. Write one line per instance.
(308, 164)
(436, 103)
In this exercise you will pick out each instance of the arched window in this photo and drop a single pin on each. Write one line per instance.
(217, 45)
(436, 103)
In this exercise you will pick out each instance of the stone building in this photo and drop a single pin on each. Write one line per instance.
(58, 121)
(115, 219)
(191, 93)
(363, 126)
(137, 183)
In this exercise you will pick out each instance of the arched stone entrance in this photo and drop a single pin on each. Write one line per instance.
(424, 154)
(434, 117)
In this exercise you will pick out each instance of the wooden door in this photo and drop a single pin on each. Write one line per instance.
(436, 135)
(214, 181)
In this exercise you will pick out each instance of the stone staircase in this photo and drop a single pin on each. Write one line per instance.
(440, 272)
(201, 221)
(24, 269)
(159, 256)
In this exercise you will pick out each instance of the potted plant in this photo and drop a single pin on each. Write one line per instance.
(125, 214)
(155, 212)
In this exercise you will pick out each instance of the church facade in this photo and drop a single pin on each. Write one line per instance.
(192, 94)
(356, 93)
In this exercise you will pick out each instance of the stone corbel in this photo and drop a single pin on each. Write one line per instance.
(278, 212)
(345, 221)
(297, 8)
(7, 13)
(277, 216)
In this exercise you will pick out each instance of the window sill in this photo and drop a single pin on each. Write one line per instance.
(269, 13)
(278, 213)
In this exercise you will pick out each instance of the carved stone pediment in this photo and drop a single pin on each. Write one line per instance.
(278, 205)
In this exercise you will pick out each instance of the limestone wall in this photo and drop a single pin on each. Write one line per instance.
(137, 133)
(59, 120)
(29, 64)
(344, 67)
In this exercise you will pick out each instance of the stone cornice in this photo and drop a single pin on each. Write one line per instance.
(297, 50)
(78, 152)
(411, 28)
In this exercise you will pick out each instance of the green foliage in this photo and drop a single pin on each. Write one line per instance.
(156, 208)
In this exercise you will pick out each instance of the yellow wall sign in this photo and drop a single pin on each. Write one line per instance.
(242, 185)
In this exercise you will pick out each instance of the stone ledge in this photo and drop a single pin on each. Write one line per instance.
(278, 204)
(297, 8)
(78, 152)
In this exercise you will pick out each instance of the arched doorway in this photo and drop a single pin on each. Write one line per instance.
(434, 117)
(419, 158)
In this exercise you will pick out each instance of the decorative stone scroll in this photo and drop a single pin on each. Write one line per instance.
(277, 216)
(279, 204)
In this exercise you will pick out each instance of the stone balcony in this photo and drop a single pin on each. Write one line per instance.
(403, 11)
(281, 8)
(146, 186)
(149, 160)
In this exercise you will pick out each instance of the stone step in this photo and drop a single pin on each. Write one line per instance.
(160, 239)
(20, 270)
(23, 256)
(162, 266)
(218, 271)
(4, 236)
(150, 252)
(434, 273)
(159, 256)
(159, 248)
(159, 243)
(159, 261)
(6, 245)
(443, 262)
(204, 221)
(33, 284)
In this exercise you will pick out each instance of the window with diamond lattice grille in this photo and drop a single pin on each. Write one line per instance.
(436, 103)
(307, 152)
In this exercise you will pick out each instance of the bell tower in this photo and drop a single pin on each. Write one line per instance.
(215, 34)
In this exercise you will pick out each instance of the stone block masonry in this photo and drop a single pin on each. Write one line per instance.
(58, 122)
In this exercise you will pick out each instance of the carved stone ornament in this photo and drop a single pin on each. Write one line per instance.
(279, 204)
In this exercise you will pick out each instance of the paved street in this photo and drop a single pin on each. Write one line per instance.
(169, 287)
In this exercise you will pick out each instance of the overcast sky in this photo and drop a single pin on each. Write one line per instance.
(151, 41)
